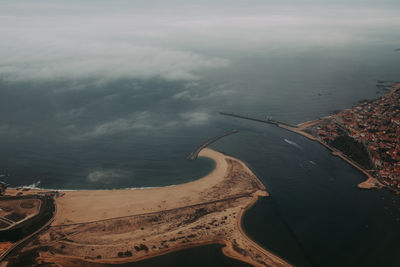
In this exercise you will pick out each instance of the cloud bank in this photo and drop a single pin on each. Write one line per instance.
(172, 42)
(142, 122)
(104, 60)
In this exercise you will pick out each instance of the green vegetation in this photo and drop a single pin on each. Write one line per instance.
(353, 149)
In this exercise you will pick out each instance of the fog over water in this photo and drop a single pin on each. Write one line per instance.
(117, 94)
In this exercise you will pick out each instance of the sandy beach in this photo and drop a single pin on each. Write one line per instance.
(117, 226)
(93, 205)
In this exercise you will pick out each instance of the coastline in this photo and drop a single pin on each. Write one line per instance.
(74, 206)
(205, 211)
(371, 182)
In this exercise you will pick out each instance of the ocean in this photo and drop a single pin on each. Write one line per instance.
(85, 132)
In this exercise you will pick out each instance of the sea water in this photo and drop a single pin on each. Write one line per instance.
(130, 133)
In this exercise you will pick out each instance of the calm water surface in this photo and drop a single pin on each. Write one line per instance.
(205, 256)
(138, 133)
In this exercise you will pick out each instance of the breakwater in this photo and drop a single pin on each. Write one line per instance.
(268, 120)
(195, 153)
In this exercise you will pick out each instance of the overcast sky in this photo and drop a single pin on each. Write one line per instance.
(174, 40)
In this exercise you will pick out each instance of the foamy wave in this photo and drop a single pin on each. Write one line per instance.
(141, 188)
(36, 186)
(32, 186)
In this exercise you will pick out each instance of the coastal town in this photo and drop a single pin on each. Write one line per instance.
(368, 134)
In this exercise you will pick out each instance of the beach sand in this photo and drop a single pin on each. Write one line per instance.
(92, 205)
(118, 226)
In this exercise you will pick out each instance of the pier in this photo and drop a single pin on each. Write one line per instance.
(194, 155)
(269, 120)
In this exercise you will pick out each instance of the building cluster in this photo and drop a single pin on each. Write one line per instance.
(376, 124)
(328, 131)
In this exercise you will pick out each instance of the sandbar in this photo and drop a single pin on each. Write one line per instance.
(118, 226)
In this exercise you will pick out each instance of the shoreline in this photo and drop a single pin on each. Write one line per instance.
(88, 227)
(103, 197)
(371, 182)
(33, 188)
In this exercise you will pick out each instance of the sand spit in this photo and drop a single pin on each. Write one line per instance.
(118, 226)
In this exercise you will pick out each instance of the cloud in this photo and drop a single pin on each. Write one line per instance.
(200, 91)
(184, 94)
(195, 118)
(106, 176)
(194, 93)
(89, 46)
(103, 60)
(149, 42)
(142, 122)
(137, 121)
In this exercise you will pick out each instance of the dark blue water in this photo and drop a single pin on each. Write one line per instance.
(312, 191)
(138, 133)
(205, 256)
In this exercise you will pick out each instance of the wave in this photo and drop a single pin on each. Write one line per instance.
(293, 144)
(36, 186)
(313, 163)
(32, 186)
(141, 188)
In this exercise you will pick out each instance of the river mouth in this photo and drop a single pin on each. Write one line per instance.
(315, 209)
(123, 107)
